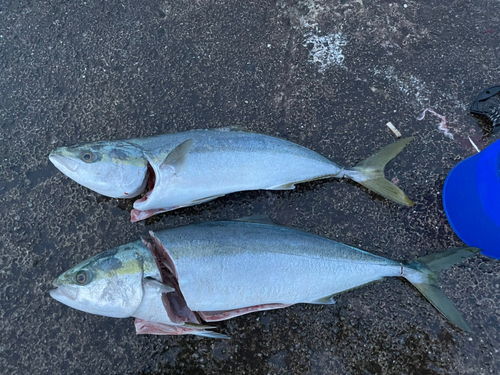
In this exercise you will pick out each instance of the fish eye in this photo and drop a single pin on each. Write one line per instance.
(88, 157)
(82, 277)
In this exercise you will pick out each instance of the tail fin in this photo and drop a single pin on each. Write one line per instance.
(422, 273)
(370, 173)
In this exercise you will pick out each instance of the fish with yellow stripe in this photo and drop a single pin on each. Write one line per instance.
(189, 168)
(179, 280)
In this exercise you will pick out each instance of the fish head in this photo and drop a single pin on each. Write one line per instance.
(115, 169)
(109, 284)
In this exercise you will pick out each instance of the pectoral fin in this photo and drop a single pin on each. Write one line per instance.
(149, 281)
(177, 158)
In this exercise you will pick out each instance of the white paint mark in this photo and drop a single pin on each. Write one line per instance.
(474, 145)
(396, 132)
(326, 50)
(442, 125)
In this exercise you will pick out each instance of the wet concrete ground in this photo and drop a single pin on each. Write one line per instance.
(325, 74)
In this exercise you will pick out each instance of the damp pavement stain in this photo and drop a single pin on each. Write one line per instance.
(73, 72)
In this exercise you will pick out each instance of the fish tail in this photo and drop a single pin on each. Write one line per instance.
(422, 273)
(370, 173)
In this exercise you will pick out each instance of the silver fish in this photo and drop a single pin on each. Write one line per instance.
(180, 279)
(193, 167)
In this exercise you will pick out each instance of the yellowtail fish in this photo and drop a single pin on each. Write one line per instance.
(179, 280)
(193, 167)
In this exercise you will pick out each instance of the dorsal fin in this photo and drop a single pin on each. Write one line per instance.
(257, 218)
(231, 128)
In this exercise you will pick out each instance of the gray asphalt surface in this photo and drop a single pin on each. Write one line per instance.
(325, 74)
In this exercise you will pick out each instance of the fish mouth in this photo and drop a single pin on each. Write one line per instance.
(63, 162)
(62, 293)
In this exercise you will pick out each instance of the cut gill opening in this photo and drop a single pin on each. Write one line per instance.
(174, 302)
(151, 176)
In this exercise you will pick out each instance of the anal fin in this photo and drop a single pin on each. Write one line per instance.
(288, 186)
(328, 300)
(203, 200)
